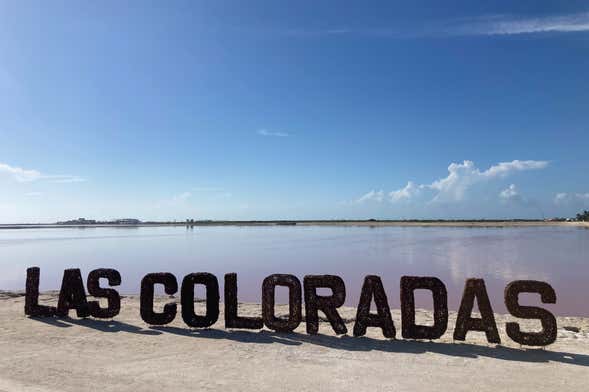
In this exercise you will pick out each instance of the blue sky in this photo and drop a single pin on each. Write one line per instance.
(293, 110)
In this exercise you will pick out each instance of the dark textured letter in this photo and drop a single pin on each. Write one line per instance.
(327, 304)
(72, 294)
(232, 320)
(32, 307)
(212, 286)
(475, 288)
(112, 296)
(548, 296)
(373, 288)
(170, 287)
(294, 302)
(411, 330)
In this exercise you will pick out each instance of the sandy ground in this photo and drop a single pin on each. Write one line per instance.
(72, 354)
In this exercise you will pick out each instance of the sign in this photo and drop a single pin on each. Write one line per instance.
(72, 296)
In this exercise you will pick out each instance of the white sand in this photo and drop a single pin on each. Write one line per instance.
(126, 355)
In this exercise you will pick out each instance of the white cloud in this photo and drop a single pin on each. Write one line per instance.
(509, 193)
(20, 174)
(571, 198)
(408, 192)
(64, 179)
(508, 25)
(489, 25)
(459, 181)
(373, 195)
(265, 132)
(33, 194)
(462, 176)
(30, 175)
(504, 168)
(512, 195)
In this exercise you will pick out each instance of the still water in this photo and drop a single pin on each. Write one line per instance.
(558, 255)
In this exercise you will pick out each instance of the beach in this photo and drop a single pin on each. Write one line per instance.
(125, 354)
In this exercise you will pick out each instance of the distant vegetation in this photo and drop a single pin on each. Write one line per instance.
(583, 216)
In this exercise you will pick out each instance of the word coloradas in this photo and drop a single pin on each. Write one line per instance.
(73, 296)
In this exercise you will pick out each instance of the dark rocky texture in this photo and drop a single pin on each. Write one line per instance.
(327, 304)
(212, 292)
(294, 302)
(373, 289)
(548, 296)
(232, 320)
(114, 299)
(72, 294)
(147, 290)
(475, 288)
(410, 330)
(32, 307)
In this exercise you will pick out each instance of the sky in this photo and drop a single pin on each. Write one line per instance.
(293, 110)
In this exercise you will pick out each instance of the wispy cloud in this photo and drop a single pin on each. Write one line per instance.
(265, 132)
(508, 25)
(33, 194)
(20, 174)
(461, 178)
(64, 179)
(564, 198)
(30, 175)
(489, 25)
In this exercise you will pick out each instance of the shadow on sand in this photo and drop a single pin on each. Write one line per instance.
(344, 342)
(100, 325)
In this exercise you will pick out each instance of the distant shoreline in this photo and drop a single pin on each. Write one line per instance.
(341, 223)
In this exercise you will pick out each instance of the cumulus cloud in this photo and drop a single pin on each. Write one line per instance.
(30, 175)
(408, 192)
(462, 176)
(460, 180)
(511, 194)
(265, 132)
(373, 195)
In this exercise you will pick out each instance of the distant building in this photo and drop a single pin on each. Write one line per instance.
(79, 221)
(84, 221)
(128, 221)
